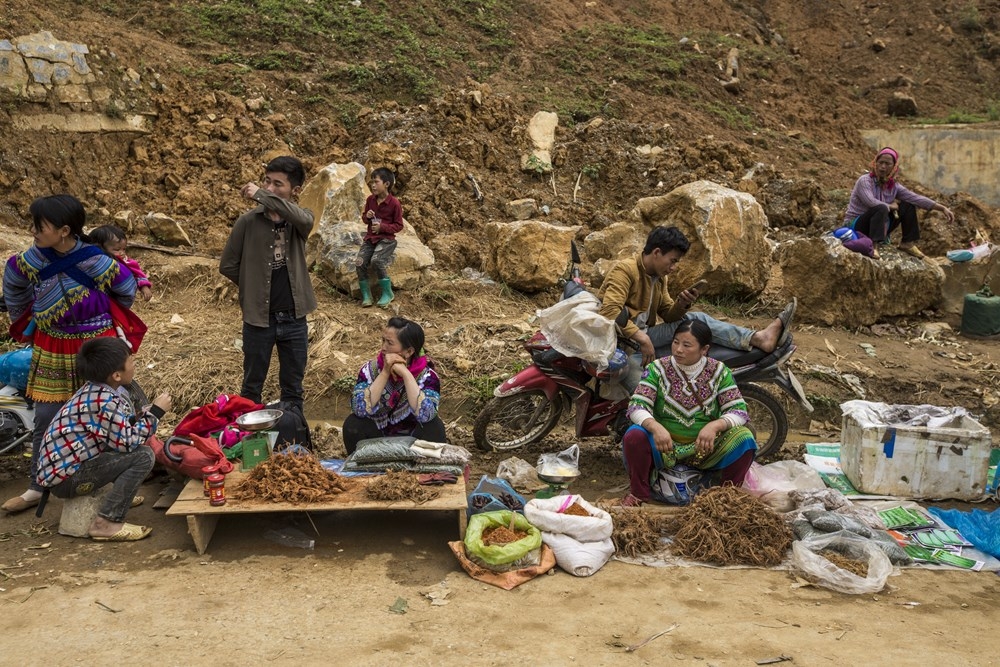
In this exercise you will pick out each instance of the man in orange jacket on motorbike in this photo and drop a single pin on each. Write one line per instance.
(638, 286)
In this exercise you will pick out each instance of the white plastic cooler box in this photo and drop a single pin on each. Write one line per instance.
(914, 451)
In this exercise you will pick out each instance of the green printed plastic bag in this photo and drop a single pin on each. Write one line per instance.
(501, 555)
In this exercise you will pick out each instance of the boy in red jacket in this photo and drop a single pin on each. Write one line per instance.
(384, 216)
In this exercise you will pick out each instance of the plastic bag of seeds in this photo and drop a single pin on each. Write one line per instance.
(807, 557)
(502, 541)
(494, 494)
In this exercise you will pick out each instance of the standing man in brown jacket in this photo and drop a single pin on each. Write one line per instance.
(266, 258)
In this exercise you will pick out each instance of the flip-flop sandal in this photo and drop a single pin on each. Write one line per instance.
(137, 500)
(786, 317)
(914, 251)
(129, 532)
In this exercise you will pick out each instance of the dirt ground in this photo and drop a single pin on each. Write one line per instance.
(811, 76)
(250, 600)
(285, 605)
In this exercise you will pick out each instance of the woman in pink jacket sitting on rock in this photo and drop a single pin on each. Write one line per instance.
(879, 204)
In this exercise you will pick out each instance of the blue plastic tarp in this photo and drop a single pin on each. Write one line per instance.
(980, 527)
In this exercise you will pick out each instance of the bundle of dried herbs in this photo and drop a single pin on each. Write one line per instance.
(291, 478)
(398, 485)
(636, 531)
(727, 526)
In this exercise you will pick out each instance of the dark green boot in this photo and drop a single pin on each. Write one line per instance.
(387, 295)
(366, 293)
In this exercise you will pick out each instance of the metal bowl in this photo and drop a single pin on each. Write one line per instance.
(556, 479)
(259, 420)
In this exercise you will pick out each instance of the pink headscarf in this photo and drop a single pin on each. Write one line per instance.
(891, 178)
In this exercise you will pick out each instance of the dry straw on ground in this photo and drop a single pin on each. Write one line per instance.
(291, 478)
(400, 486)
(727, 526)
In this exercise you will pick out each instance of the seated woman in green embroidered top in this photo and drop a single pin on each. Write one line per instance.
(687, 408)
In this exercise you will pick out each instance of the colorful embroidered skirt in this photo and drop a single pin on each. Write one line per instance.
(729, 446)
(53, 377)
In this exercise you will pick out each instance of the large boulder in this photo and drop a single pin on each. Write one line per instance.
(528, 255)
(542, 131)
(621, 239)
(727, 233)
(166, 230)
(835, 286)
(336, 195)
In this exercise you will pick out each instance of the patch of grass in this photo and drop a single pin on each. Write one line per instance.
(112, 110)
(732, 306)
(969, 19)
(344, 384)
(414, 48)
(604, 56)
(733, 118)
(961, 117)
(592, 171)
(346, 112)
(537, 167)
(480, 387)
(638, 56)
(271, 61)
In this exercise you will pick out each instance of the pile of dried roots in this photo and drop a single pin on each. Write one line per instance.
(636, 531)
(394, 485)
(857, 567)
(727, 526)
(291, 478)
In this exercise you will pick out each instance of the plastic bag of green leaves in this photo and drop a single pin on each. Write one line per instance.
(494, 543)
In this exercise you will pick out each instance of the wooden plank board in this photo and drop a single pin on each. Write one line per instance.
(203, 516)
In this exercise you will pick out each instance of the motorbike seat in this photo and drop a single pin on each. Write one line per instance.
(738, 358)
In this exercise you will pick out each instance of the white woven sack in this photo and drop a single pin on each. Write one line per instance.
(581, 559)
(544, 514)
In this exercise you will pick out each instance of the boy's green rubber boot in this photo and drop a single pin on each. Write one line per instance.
(387, 295)
(366, 293)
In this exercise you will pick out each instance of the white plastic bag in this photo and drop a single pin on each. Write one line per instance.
(581, 559)
(561, 464)
(774, 482)
(521, 474)
(574, 327)
(548, 515)
(806, 557)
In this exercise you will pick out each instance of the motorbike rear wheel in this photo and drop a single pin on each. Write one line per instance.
(768, 420)
(518, 420)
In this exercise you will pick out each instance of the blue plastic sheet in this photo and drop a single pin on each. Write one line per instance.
(980, 527)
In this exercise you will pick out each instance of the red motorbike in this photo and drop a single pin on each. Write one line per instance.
(527, 406)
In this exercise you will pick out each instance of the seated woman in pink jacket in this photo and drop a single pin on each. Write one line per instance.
(879, 204)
